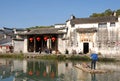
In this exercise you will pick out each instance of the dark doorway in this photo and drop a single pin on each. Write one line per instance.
(85, 48)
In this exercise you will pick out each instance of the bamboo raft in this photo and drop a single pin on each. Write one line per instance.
(89, 70)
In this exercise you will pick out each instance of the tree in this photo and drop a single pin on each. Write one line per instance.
(107, 12)
(118, 12)
(41, 27)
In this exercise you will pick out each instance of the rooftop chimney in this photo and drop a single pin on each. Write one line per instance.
(72, 17)
(114, 13)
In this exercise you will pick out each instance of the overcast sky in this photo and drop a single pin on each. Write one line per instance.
(29, 13)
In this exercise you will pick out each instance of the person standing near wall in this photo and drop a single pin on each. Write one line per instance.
(94, 57)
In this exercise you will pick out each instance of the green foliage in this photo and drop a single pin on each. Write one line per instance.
(40, 27)
(58, 57)
(118, 12)
(52, 57)
(107, 12)
(82, 58)
(61, 57)
(105, 59)
(11, 56)
(47, 57)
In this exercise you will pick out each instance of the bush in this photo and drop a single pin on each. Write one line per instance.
(61, 57)
(83, 58)
(106, 59)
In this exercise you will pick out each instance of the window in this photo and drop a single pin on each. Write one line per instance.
(102, 25)
(99, 45)
(112, 24)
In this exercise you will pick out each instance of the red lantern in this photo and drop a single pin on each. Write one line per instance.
(31, 39)
(53, 39)
(37, 73)
(1, 47)
(52, 74)
(44, 73)
(30, 72)
(45, 38)
(38, 38)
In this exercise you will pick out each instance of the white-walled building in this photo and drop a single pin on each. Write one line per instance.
(96, 33)
(77, 35)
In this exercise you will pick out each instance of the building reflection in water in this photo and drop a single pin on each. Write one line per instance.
(5, 68)
(42, 70)
(26, 70)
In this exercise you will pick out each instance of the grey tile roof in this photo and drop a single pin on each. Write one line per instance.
(9, 34)
(86, 30)
(94, 20)
(61, 24)
(5, 41)
(46, 31)
(7, 31)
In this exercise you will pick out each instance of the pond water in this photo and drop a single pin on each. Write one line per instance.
(50, 70)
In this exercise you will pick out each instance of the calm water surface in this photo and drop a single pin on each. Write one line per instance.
(44, 70)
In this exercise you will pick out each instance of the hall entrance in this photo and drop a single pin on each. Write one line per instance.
(85, 48)
(43, 42)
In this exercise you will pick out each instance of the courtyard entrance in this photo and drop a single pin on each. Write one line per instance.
(43, 42)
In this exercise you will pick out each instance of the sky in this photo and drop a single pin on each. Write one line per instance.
(31, 13)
